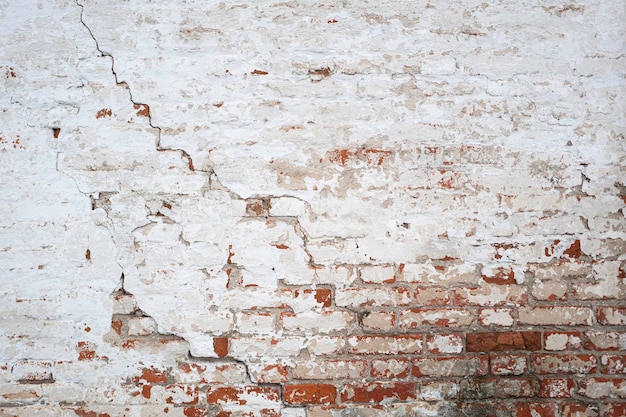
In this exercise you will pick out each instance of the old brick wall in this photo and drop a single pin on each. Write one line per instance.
(312, 209)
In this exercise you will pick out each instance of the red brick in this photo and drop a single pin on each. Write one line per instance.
(390, 368)
(151, 375)
(503, 341)
(563, 364)
(195, 412)
(556, 387)
(378, 391)
(482, 388)
(251, 395)
(310, 394)
(448, 366)
(536, 410)
(612, 316)
(508, 364)
(613, 364)
(220, 346)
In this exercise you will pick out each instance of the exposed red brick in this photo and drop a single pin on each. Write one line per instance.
(574, 250)
(117, 326)
(239, 395)
(503, 276)
(152, 375)
(378, 391)
(324, 296)
(103, 113)
(142, 110)
(556, 387)
(220, 346)
(194, 412)
(503, 341)
(86, 351)
(310, 394)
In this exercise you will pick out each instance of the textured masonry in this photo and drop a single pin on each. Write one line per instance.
(312, 209)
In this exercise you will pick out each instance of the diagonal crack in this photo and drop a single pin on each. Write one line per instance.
(136, 104)
(213, 181)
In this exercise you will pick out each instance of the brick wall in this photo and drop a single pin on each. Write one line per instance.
(312, 209)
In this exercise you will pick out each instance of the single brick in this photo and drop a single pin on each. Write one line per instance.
(556, 316)
(246, 395)
(310, 394)
(508, 364)
(385, 345)
(563, 364)
(556, 387)
(613, 364)
(503, 341)
(562, 340)
(533, 409)
(390, 368)
(443, 317)
(483, 388)
(602, 387)
(374, 392)
(449, 366)
(612, 316)
(32, 372)
(445, 343)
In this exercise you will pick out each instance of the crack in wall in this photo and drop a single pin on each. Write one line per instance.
(102, 201)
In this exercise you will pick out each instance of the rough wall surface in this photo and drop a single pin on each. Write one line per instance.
(321, 209)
